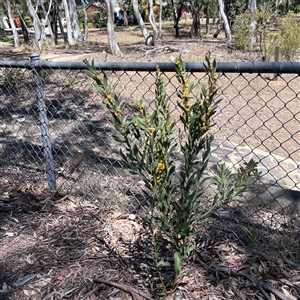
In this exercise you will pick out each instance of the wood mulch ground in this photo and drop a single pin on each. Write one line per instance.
(56, 246)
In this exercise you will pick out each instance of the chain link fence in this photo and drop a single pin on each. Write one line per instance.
(54, 133)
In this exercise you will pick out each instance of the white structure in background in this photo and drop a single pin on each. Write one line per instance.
(6, 27)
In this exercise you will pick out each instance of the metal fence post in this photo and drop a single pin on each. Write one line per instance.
(34, 57)
(276, 60)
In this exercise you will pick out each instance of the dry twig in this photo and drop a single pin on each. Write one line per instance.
(135, 294)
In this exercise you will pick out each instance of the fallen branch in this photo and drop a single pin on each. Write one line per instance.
(163, 48)
(135, 294)
(89, 293)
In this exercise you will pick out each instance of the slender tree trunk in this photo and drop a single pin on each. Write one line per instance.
(114, 47)
(39, 32)
(152, 20)
(177, 17)
(24, 30)
(53, 21)
(253, 25)
(220, 26)
(24, 27)
(68, 21)
(12, 25)
(195, 28)
(207, 24)
(174, 10)
(74, 21)
(47, 22)
(125, 16)
(160, 20)
(225, 20)
(287, 6)
(61, 28)
(148, 37)
(86, 29)
(207, 12)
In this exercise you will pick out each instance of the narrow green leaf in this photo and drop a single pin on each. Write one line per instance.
(177, 263)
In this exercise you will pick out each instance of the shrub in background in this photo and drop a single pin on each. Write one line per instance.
(287, 37)
(150, 139)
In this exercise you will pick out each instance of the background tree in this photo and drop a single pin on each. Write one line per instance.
(253, 25)
(21, 8)
(177, 11)
(210, 10)
(59, 21)
(74, 21)
(68, 23)
(86, 29)
(196, 6)
(39, 31)
(46, 18)
(125, 15)
(74, 33)
(225, 21)
(148, 37)
(114, 47)
(152, 20)
(12, 24)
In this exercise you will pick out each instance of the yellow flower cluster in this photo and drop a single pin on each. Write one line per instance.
(160, 167)
(245, 173)
(184, 85)
(208, 113)
(158, 170)
(203, 129)
(150, 130)
(117, 112)
(185, 93)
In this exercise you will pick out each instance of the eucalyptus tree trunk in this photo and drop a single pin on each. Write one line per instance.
(23, 25)
(39, 32)
(225, 20)
(207, 12)
(74, 21)
(195, 31)
(24, 29)
(177, 15)
(152, 20)
(114, 47)
(47, 22)
(86, 29)
(160, 19)
(253, 25)
(125, 16)
(68, 23)
(58, 12)
(12, 24)
(287, 6)
(148, 37)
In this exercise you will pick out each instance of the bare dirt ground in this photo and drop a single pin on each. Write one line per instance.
(57, 246)
(132, 45)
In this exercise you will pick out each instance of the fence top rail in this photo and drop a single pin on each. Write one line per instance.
(222, 67)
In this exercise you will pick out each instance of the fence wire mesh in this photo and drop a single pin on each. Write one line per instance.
(258, 118)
